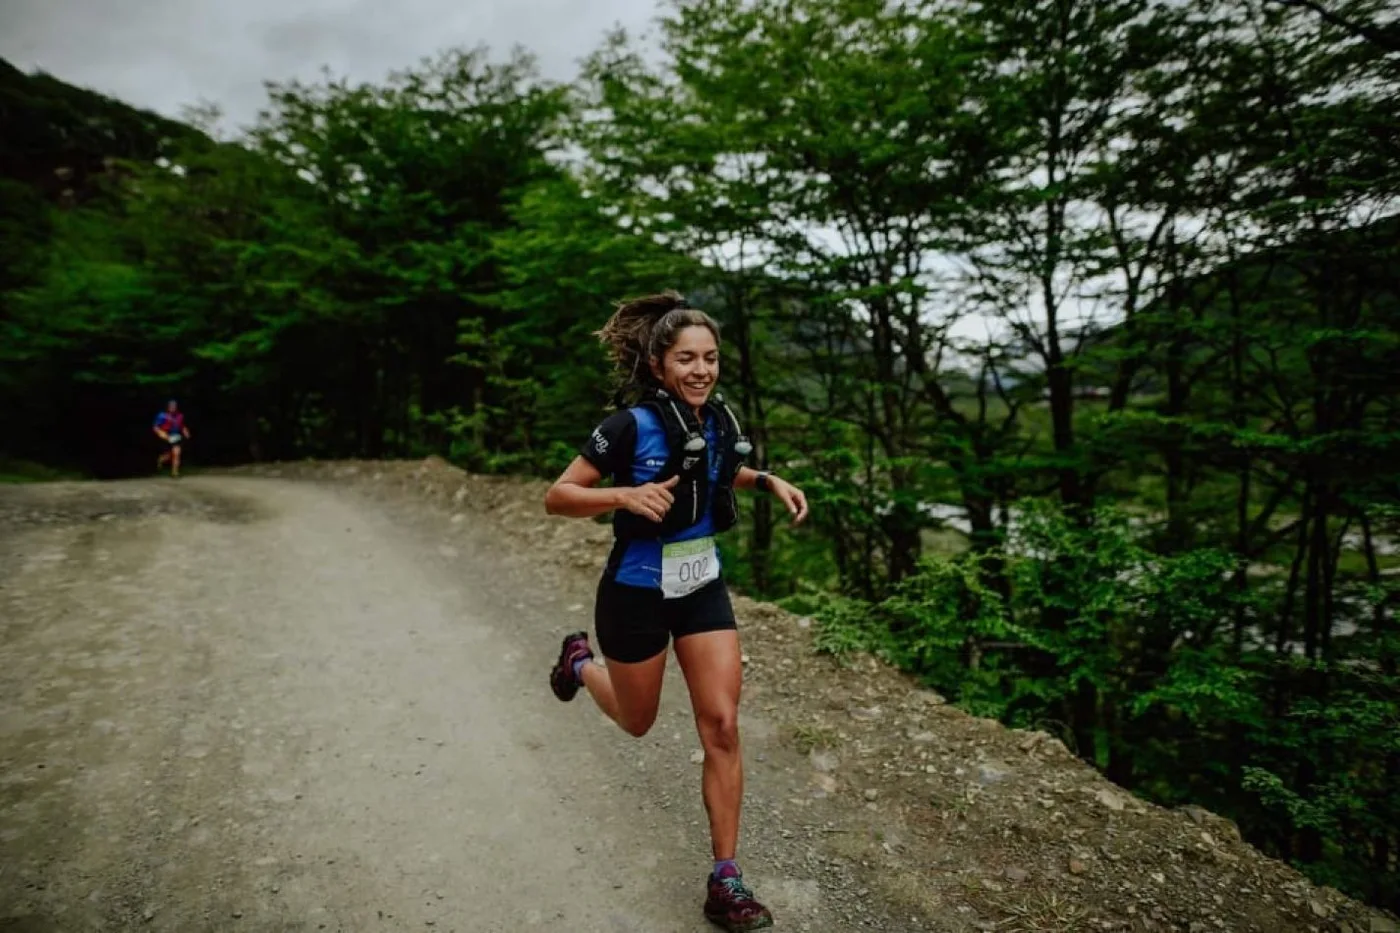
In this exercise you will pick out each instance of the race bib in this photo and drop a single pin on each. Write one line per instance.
(688, 565)
(174, 438)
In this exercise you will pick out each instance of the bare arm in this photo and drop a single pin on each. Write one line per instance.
(792, 498)
(574, 495)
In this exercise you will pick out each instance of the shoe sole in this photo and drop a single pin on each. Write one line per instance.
(723, 923)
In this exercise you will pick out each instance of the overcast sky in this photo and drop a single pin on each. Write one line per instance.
(163, 54)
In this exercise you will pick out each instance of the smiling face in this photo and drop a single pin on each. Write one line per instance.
(690, 367)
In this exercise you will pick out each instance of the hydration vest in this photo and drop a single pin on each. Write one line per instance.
(689, 458)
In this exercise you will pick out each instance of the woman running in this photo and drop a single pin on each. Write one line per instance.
(675, 459)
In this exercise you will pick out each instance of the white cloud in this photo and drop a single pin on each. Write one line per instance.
(165, 54)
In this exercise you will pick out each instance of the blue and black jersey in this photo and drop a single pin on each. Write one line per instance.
(639, 434)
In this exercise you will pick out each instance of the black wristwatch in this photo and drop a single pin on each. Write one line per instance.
(761, 482)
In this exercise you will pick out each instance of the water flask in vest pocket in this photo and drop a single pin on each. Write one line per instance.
(694, 450)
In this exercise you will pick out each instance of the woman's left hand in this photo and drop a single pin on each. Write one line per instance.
(792, 498)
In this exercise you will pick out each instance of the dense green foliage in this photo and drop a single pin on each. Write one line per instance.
(1077, 319)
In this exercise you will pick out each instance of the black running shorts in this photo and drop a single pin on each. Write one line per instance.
(635, 623)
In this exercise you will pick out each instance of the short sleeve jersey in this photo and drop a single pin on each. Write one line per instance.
(639, 433)
(174, 424)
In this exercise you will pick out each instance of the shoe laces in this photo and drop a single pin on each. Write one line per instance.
(735, 888)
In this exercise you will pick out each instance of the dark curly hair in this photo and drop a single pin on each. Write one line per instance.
(643, 329)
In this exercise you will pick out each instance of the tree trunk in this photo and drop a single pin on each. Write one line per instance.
(756, 426)
(1084, 720)
(1061, 385)
(1179, 531)
(1121, 761)
(1383, 844)
(250, 426)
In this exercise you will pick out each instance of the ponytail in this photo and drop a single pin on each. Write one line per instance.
(643, 329)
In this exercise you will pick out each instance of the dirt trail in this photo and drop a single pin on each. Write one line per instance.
(236, 703)
(262, 706)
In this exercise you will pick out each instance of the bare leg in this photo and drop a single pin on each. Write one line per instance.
(175, 460)
(714, 673)
(628, 694)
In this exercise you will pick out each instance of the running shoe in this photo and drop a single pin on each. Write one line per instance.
(561, 677)
(731, 905)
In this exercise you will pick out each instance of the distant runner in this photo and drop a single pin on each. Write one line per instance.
(170, 428)
(675, 459)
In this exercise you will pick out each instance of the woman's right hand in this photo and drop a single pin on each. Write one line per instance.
(650, 500)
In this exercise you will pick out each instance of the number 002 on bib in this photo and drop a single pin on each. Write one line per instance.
(688, 565)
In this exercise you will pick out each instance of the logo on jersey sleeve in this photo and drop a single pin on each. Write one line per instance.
(600, 443)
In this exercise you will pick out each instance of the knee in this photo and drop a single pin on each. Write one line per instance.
(719, 731)
(638, 725)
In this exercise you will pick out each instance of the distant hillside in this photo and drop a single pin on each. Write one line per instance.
(58, 139)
